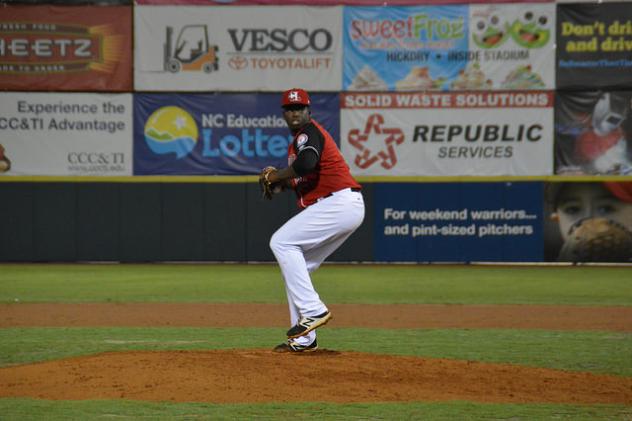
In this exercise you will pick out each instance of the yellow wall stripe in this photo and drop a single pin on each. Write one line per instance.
(254, 178)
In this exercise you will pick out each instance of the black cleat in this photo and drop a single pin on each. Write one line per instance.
(292, 346)
(307, 324)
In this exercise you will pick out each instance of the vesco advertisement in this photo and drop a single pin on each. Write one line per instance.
(466, 47)
(217, 134)
(458, 222)
(445, 134)
(224, 48)
(594, 47)
(593, 132)
(66, 48)
(66, 134)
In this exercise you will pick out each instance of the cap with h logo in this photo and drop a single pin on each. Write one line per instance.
(295, 97)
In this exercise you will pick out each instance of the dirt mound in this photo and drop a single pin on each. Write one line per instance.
(234, 376)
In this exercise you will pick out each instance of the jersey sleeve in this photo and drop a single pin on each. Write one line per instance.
(309, 146)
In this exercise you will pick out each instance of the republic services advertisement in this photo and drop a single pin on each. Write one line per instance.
(594, 45)
(458, 222)
(46, 134)
(225, 48)
(66, 48)
(593, 132)
(464, 47)
(217, 134)
(473, 133)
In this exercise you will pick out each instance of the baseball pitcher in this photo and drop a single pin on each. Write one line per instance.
(332, 209)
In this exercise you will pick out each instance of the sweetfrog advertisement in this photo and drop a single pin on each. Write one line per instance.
(456, 47)
(217, 134)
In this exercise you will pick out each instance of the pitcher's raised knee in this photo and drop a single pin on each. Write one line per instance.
(277, 245)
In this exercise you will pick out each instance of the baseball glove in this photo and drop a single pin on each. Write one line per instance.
(268, 189)
(597, 240)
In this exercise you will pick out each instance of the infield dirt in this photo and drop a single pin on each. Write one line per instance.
(224, 376)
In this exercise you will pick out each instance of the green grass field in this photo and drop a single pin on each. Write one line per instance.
(598, 352)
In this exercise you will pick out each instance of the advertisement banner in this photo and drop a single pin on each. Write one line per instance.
(458, 222)
(588, 222)
(66, 48)
(594, 45)
(217, 134)
(593, 132)
(446, 134)
(327, 2)
(224, 48)
(505, 47)
(65, 134)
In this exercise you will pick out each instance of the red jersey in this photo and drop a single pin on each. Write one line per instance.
(331, 173)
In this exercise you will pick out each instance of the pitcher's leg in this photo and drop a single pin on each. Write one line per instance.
(294, 318)
(347, 209)
(316, 256)
(287, 245)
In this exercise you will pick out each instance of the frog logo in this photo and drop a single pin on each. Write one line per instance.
(171, 130)
(490, 31)
(531, 31)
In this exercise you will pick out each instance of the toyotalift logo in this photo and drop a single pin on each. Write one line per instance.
(374, 127)
(189, 49)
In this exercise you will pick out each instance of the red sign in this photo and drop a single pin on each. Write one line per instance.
(66, 48)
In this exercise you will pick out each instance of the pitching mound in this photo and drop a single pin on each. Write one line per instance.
(240, 376)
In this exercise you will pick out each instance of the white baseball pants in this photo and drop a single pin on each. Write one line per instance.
(305, 241)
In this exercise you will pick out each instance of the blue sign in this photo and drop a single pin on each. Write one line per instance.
(404, 48)
(217, 134)
(458, 222)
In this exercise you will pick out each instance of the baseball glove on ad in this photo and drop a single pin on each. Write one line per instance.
(597, 240)
(268, 189)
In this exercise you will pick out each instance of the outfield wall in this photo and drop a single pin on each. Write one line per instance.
(493, 221)
(144, 222)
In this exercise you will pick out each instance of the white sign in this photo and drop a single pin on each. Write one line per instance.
(512, 47)
(244, 48)
(66, 134)
(447, 134)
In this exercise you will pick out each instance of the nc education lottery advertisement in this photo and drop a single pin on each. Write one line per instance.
(66, 48)
(66, 134)
(237, 48)
(594, 48)
(456, 47)
(217, 134)
(491, 133)
(458, 222)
